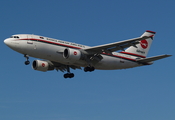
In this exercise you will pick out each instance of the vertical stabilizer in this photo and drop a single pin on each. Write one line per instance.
(141, 49)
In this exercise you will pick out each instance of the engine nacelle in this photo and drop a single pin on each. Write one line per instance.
(72, 54)
(42, 65)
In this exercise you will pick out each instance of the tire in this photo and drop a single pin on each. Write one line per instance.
(27, 62)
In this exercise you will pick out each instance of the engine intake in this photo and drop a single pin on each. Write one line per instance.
(42, 65)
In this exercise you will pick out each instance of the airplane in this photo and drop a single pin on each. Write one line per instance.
(61, 55)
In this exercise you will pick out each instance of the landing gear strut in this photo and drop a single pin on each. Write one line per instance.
(68, 75)
(27, 62)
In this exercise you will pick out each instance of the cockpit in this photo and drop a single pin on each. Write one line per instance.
(14, 36)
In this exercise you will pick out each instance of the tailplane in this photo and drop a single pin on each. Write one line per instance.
(151, 59)
(141, 49)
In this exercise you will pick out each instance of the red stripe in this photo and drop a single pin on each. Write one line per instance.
(127, 58)
(132, 54)
(119, 56)
(151, 31)
(52, 43)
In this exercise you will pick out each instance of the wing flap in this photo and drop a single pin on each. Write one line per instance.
(150, 59)
(63, 67)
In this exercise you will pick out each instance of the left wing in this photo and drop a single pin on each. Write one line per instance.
(115, 46)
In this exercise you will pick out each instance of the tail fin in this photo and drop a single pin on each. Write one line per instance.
(141, 50)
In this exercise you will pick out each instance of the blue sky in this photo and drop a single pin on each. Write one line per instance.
(143, 93)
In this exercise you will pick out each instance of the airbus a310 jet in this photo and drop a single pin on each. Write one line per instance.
(62, 55)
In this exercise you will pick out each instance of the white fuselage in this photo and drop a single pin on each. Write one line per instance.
(52, 50)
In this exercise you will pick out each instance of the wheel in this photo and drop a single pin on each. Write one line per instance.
(27, 62)
(68, 75)
(90, 69)
(85, 69)
(71, 75)
(65, 76)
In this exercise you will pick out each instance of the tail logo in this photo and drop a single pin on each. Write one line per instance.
(144, 44)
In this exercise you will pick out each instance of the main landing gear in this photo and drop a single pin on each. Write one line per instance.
(90, 69)
(68, 75)
(27, 62)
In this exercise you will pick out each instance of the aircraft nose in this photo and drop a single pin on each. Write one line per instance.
(7, 41)
(12, 43)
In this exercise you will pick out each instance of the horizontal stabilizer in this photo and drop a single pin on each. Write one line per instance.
(150, 59)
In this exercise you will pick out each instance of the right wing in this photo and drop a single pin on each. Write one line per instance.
(115, 46)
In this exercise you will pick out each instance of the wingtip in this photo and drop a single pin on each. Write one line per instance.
(168, 55)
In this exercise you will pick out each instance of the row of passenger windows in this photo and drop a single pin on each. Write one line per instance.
(14, 37)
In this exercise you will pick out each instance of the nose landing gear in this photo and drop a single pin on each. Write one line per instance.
(27, 62)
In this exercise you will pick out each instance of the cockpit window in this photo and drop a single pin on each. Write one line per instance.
(14, 37)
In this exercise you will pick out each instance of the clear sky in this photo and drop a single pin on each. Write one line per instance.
(142, 93)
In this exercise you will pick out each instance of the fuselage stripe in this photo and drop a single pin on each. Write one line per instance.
(49, 42)
(117, 56)
(132, 54)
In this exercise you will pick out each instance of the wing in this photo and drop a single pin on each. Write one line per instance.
(62, 67)
(150, 59)
(115, 46)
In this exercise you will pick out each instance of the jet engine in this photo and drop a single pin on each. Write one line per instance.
(42, 65)
(72, 54)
